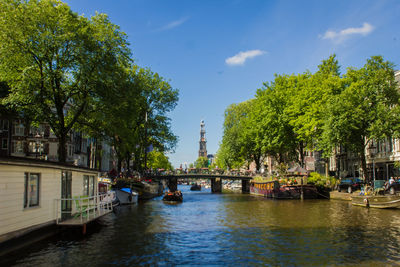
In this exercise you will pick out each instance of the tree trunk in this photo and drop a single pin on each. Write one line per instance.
(327, 167)
(364, 167)
(119, 164)
(301, 151)
(62, 150)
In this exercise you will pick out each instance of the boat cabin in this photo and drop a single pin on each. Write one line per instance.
(36, 193)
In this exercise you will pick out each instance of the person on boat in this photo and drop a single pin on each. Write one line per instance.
(391, 181)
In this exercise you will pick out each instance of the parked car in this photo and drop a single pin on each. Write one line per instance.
(350, 184)
(392, 188)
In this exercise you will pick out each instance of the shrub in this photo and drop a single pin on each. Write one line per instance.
(321, 180)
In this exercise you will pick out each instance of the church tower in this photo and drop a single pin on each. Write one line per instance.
(203, 149)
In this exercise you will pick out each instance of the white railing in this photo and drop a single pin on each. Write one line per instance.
(83, 208)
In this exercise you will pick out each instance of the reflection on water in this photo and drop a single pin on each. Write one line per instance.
(228, 229)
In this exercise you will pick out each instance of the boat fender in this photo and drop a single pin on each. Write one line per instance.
(366, 202)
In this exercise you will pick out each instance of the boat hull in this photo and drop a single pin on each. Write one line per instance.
(274, 190)
(148, 190)
(173, 197)
(379, 202)
(126, 196)
(195, 187)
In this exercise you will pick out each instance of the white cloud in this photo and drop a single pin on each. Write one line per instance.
(241, 57)
(173, 24)
(341, 35)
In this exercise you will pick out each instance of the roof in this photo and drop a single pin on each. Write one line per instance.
(43, 164)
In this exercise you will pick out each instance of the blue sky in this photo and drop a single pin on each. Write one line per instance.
(220, 52)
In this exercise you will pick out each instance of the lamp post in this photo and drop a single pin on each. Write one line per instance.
(371, 150)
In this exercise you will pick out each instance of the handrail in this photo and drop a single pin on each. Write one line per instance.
(85, 208)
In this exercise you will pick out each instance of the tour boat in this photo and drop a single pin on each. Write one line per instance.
(380, 202)
(173, 196)
(272, 189)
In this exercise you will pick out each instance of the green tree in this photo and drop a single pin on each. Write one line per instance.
(158, 160)
(55, 61)
(367, 109)
(309, 100)
(201, 162)
(276, 135)
(234, 147)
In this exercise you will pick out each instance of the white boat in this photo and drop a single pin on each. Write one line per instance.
(127, 196)
(380, 202)
(110, 196)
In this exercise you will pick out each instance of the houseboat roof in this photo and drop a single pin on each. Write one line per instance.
(19, 161)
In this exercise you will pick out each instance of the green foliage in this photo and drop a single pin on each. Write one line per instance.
(55, 61)
(201, 162)
(397, 164)
(282, 169)
(320, 111)
(77, 73)
(321, 180)
(367, 108)
(157, 160)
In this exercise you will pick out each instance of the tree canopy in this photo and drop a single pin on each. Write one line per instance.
(314, 111)
(78, 73)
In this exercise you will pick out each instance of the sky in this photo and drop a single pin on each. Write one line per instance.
(218, 52)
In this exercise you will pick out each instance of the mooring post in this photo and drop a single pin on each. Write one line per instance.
(84, 229)
(301, 188)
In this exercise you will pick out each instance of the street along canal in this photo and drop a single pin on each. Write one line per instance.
(226, 229)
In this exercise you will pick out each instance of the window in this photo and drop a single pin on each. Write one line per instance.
(36, 147)
(32, 187)
(4, 143)
(70, 150)
(4, 125)
(19, 129)
(88, 185)
(18, 146)
(35, 131)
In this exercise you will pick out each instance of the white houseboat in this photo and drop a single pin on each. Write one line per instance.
(35, 193)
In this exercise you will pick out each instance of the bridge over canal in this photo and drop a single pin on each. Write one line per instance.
(216, 180)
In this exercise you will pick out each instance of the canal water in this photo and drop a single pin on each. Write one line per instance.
(227, 230)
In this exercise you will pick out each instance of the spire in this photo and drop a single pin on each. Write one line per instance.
(203, 147)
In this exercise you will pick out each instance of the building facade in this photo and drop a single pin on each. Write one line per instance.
(21, 139)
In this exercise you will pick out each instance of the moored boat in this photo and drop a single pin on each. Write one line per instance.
(127, 195)
(380, 202)
(106, 194)
(195, 187)
(173, 196)
(147, 189)
(272, 189)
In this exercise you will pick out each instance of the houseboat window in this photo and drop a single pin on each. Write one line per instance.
(85, 185)
(32, 187)
(88, 185)
(91, 185)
